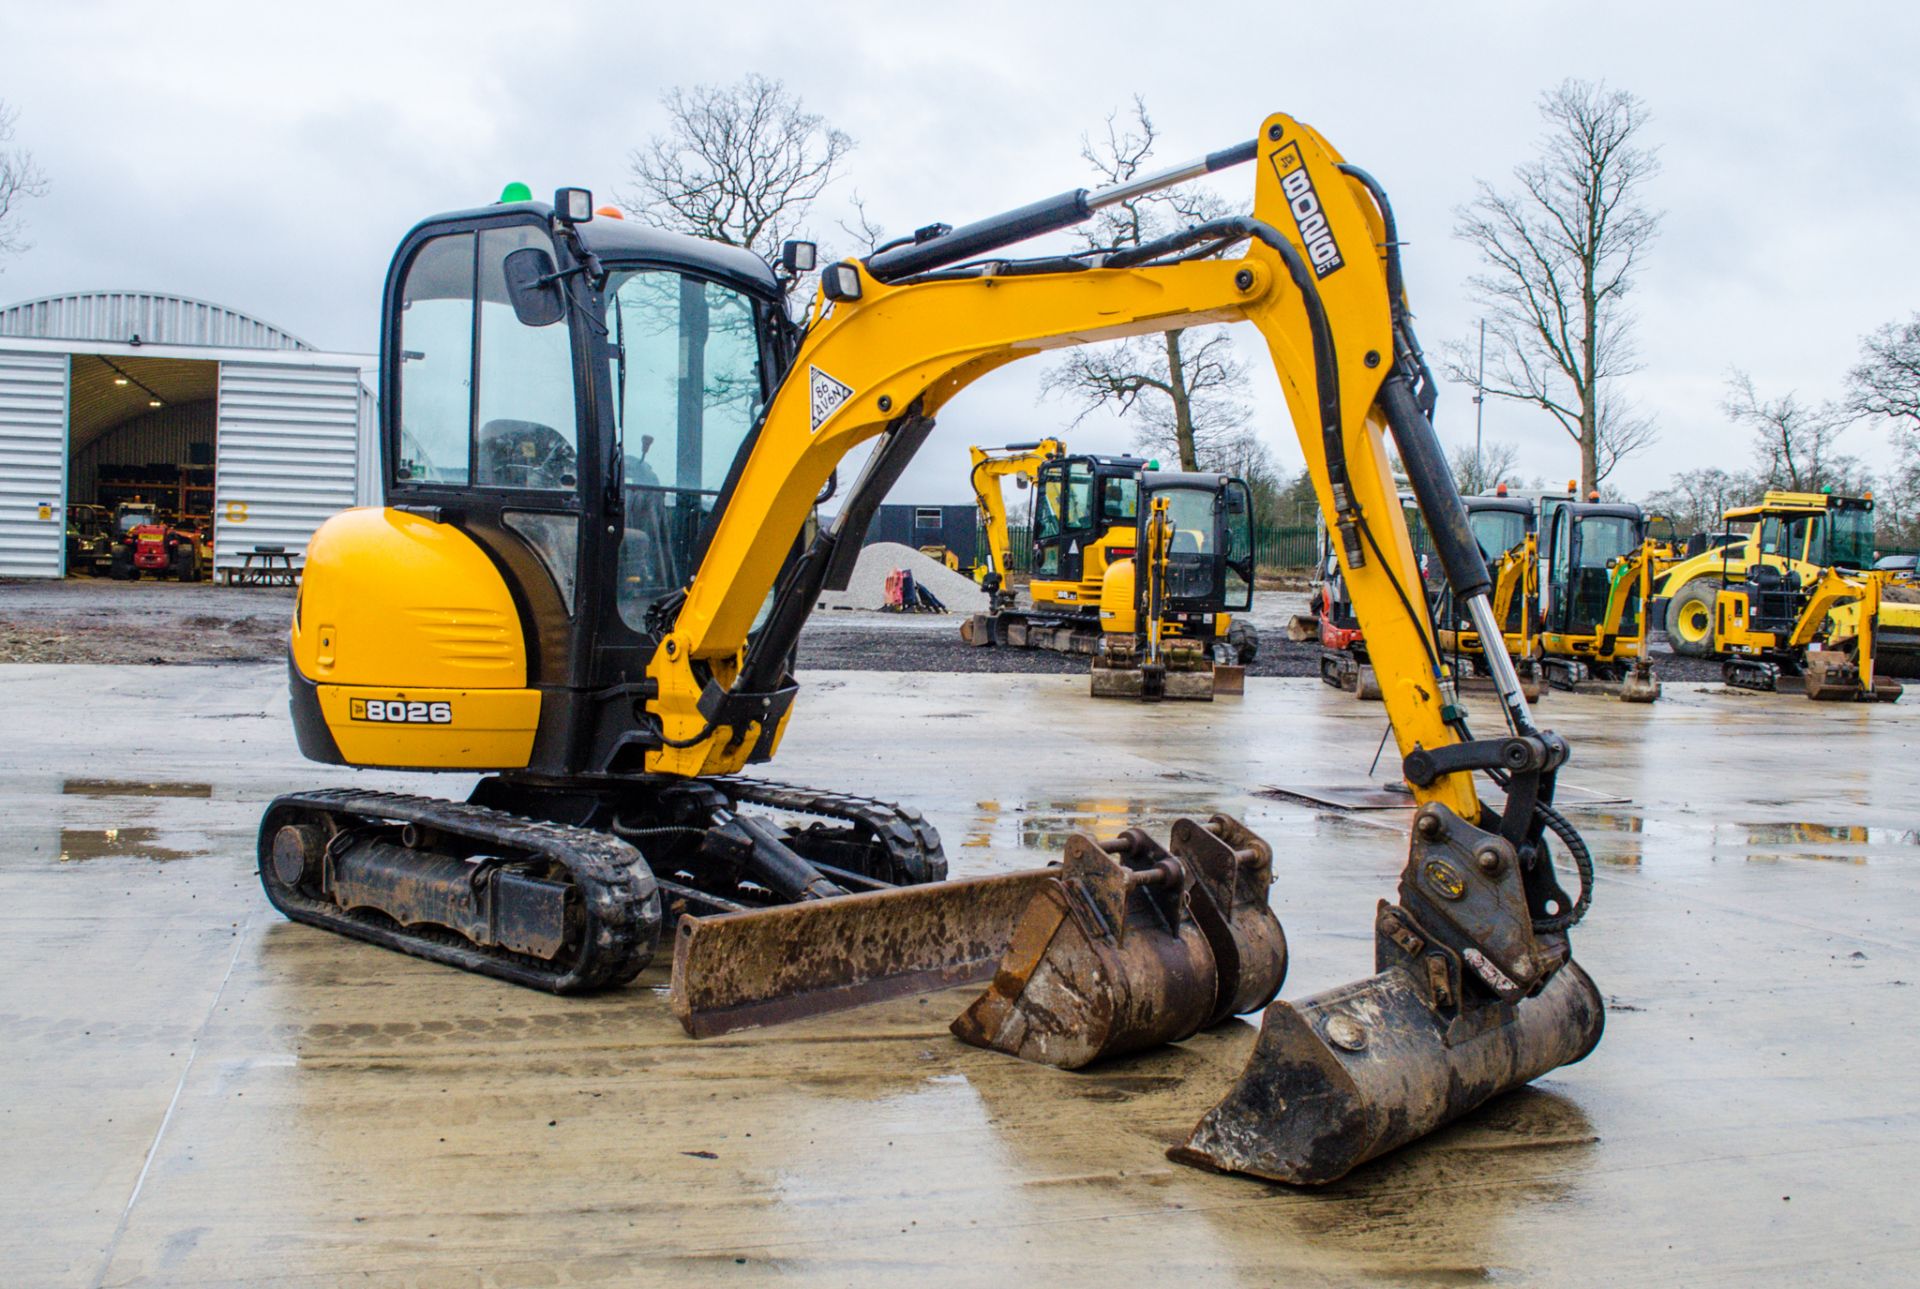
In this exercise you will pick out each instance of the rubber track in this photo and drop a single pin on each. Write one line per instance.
(913, 844)
(618, 892)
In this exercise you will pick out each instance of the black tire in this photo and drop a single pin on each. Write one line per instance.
(1690, 617)
(185, 567)
(120, 568)
(1244, 639)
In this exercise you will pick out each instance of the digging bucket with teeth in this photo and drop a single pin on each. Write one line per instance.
(1130, 945)
(1473, 996)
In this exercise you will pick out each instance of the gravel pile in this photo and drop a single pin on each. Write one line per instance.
(867, 588)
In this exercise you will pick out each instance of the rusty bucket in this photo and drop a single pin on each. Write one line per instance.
(1349, 1074)
(1130, 945)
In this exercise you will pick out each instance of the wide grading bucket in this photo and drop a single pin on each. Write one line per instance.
(1354, 1072)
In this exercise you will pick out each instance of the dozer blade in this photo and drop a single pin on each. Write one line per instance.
(1129, 946)
(1352, 1073)
(739, 970)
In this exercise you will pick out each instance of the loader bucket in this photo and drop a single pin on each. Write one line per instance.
(1132, 946)
(764, 967)
(1352, 1073)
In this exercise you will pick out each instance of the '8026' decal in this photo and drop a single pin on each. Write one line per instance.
(399, 712)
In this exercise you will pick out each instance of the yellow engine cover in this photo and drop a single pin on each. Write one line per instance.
(414, 643)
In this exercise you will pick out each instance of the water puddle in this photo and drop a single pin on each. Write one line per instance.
(80, 844)
(135, 788)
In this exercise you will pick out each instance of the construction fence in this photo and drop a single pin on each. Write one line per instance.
(1276, 549)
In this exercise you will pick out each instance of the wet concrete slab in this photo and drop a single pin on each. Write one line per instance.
(195, 1091)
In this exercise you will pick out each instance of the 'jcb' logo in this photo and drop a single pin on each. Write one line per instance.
(396, 712)
(1296, 185)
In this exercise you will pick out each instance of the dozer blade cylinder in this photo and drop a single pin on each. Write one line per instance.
(739, 970)
(1349, 1074)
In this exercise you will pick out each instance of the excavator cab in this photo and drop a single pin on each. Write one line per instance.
(1585, 541)
(1166, 608)
(1084, 513)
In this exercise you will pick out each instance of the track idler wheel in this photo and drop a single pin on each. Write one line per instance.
(1130, 946)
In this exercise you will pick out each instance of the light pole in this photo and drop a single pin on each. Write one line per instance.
(1479, 405)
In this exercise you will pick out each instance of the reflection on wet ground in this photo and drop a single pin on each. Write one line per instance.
(117, 843)
(1621, 840)
(133, 788)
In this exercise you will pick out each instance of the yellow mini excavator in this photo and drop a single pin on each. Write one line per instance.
(602, 447)
(1084, 526)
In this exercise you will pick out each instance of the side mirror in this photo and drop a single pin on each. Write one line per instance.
(1020, 482)
(538, 298)
(798, 257)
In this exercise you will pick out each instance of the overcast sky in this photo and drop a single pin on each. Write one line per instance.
(269, 156)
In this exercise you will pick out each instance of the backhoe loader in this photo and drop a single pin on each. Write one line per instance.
(1084, 522)
(607, 635)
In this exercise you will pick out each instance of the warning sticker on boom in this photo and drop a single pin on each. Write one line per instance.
(1296, 185)
(827, 395)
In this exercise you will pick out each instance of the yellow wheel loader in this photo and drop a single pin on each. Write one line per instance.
(602, 445)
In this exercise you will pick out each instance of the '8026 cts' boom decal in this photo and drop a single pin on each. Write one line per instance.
(1296, 185)
(397, 712)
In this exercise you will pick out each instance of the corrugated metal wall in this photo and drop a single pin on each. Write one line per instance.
(287, 455)
(33, 463)
(167, 435)
(119, 316)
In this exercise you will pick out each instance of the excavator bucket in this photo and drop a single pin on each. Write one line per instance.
(1349, 1074)
(1471, 997)
(1131, 945)
(1639, 684)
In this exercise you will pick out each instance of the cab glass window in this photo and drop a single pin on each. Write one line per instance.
(526, 406)
(436, 363)
(1497, 531)
(1239, 542)
(688, 387)
(1119, 501)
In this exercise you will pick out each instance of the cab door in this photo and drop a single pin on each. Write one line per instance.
(1062, 519)
(482, 419)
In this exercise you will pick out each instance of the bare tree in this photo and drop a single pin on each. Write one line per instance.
(20, 179)
(1694, 500)
(740, 164)
(1185, 391)
(1887, 380)
(1793, 442)
(1493, 467)
(1560, 254)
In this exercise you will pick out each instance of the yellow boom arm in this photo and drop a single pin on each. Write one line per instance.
(990, 466)
(886, 361)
